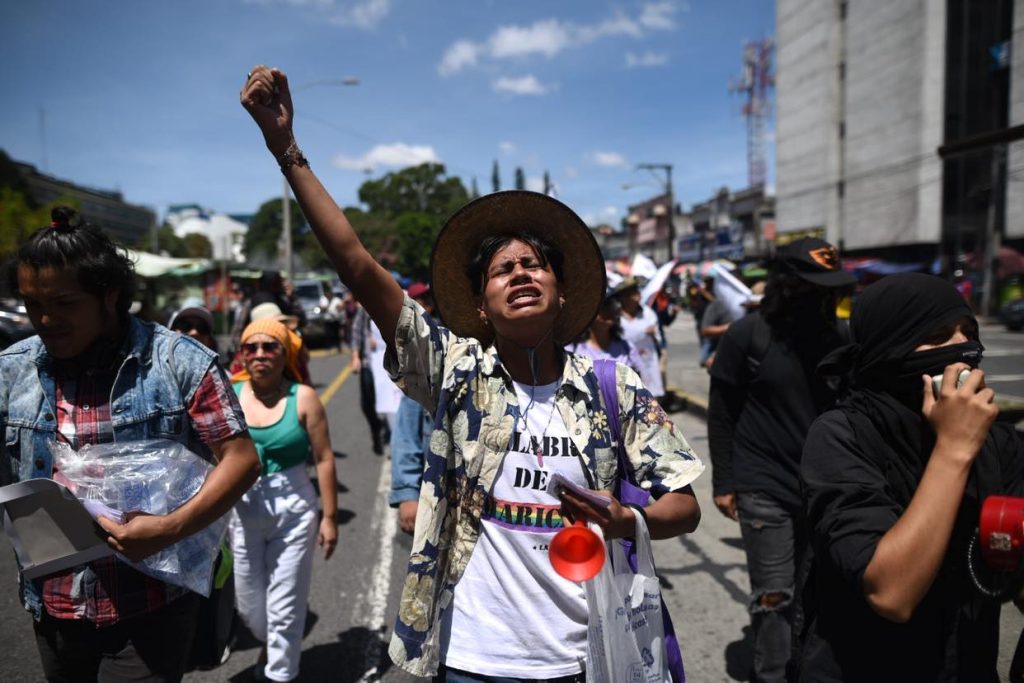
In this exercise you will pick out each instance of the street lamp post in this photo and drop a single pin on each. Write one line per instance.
(667, 168)
(286, 213)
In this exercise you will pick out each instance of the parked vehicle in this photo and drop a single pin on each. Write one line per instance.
(310, 294)
(1012, 315)
(14, 322)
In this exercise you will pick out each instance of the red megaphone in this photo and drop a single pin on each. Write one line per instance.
(576, 552)
(1001, 532)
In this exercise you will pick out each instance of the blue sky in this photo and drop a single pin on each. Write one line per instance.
(142, 96)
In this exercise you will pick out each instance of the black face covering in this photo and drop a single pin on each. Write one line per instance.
(890, 319)
(934, 361)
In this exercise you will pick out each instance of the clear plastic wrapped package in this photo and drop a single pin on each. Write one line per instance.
(155, 476)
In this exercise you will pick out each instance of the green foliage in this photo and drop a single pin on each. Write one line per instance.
(19, 218)
(197, 245)
(520, 179)
(416, 235)
(265, 230)
(547, 183)
(418, 189)
(495, 178)
(474, 191)
(169, 243)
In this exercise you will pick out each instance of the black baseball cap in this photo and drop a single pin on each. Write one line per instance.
(816, 261)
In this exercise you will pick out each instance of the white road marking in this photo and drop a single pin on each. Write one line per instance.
(372, 610)
(1005, 377)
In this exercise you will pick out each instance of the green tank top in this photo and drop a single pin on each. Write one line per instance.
(284, 444)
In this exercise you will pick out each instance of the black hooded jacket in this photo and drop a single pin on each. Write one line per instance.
(861, 465)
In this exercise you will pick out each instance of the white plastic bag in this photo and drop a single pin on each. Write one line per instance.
(156, 476)
(625, 633)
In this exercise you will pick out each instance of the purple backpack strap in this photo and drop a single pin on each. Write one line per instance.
(626, 491)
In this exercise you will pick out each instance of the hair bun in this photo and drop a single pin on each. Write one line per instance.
(64, 218)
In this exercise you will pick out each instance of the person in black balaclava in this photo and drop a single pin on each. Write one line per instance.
(894, 479)
(764, 396)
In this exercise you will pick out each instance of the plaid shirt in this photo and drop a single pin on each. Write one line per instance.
(108, 590)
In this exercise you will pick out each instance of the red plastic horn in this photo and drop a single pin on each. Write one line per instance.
(576, 552)
(1001, 532)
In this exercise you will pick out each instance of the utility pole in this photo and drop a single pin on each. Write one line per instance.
(286, 214)
(286, 227)
(667, 168)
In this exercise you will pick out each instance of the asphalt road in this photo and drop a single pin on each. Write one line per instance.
(354, 595)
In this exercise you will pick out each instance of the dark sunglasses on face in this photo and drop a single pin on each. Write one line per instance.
(270, 347)
(186, 326)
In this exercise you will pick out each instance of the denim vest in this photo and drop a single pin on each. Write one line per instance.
(149, 400)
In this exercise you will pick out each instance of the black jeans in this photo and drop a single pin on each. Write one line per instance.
(151, 648)
(368, 403)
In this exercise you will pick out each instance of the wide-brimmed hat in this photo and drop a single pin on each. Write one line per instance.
(816, 261)
(583, 282)
(270, 310)
(193, 307)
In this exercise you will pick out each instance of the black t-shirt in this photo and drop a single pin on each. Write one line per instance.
(780, 398)
(953, 634)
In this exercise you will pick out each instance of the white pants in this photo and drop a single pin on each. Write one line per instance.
(273, 535)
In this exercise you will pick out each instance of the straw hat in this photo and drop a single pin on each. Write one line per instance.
(508, 212)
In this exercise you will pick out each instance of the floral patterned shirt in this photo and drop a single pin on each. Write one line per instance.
(474, 405)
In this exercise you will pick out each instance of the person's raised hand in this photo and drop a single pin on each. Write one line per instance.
(961, 416)
(268, 100)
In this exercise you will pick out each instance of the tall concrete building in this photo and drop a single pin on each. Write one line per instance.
(867, 94)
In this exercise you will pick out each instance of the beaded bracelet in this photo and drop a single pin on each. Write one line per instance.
(292, 156)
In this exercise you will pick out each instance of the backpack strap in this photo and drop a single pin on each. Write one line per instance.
(605, 370)
(760, 339)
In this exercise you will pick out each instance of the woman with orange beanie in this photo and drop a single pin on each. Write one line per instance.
(275, 523)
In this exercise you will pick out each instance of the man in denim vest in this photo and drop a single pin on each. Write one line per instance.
(93, 375)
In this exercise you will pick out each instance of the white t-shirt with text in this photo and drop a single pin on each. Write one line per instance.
(511, 614)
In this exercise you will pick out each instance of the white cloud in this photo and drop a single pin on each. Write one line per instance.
(659, 16)
(608, 214)
(523, 85)
(535, 183)
(646, 59)
(507, 147)
(461, 54)
(396, 155)
(364, 15)
(608, 159)
(549, 37)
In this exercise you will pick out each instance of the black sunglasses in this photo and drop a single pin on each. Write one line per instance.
(188, 324)
(270, 347)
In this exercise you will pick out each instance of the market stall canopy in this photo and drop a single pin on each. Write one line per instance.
(153, 265)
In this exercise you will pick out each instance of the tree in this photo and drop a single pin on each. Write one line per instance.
(19, 218)
(197, 245)
(265, 230)
(520, 179)
(474, 191)
(495, 178)
(416, 231)
(547, 183)
(169, 243)
(418, 189)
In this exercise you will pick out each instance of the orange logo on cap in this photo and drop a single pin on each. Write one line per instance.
(826, 257)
